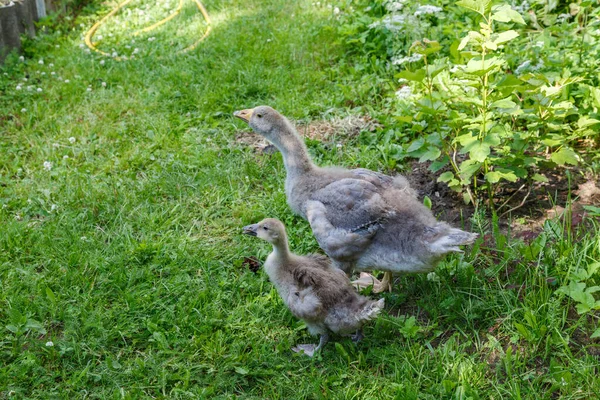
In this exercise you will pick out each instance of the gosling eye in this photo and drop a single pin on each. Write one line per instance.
(265, 228)
(259, 115)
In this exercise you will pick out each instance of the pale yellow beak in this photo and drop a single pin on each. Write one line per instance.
(244, 114)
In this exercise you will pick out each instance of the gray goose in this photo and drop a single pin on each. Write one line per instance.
(362, 219)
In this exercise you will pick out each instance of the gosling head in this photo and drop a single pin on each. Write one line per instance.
(264, 120)
(272, 230)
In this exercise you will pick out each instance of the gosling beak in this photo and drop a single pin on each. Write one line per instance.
(244, 115)
(250, 229)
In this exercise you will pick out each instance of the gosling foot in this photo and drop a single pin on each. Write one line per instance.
(311, 349)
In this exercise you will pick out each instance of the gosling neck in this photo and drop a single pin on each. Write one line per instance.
(294, 152)
(281, 250)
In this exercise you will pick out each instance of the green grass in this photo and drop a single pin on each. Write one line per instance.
(127, 254)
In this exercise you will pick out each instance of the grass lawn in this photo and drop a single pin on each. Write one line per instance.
(122, 196)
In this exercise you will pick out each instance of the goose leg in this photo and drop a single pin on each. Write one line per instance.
(358, 336)
(311, 349)
(365, 280)
(385, 284)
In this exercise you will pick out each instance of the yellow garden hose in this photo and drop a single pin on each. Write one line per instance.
(90, 33)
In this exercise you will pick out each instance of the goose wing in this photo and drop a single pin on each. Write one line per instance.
(345, 215)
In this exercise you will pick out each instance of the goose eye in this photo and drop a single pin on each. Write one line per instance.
(265, 228)
(259, 115)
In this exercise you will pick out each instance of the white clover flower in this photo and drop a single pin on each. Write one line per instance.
(21, 58)
(402, 80)
(404, 93)
(65, 157)
(41, 62)
(336, 10)
(563, 17)
(30, 88)
(81, 45)
(151, 39)
(339, 145)
(52, 208)
(432, 277)
(49, 344)
(18, 87)
(539, 44)
(39, 90)
(101, 62)
(51, 65)
(427, 9)
(401, 60)
(47, 165)
(25, 79)
(72, 140)
(89, 89)
(23, 110)
(43, 73)
(83, 238)
(100, 37)
(103, 84)
(115, 54)
(52, 73)
(67, 81)
(136, 50)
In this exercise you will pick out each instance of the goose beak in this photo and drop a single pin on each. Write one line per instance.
(244, 115)
(250, 229)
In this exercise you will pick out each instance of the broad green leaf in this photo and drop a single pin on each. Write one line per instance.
(439, 164)
(416, 145)
(480, 67)
(446, 176)
(427, 202)
(565, 156)
(482, 7)
(415, 76)
(50, 295)
(464, 42)
(495, 176)
(505, 13)
(504, 103)
(468, 168)
(592, 268)
(550, 91)
(596, 334)
(506, 36)
(479, 151)
(539, 178)
(585, 121)
(431, 154)
(490, 45)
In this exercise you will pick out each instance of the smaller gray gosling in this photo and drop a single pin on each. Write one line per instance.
(313, 289)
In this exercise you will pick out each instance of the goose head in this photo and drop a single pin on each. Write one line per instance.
(265, 121)
(271, 230)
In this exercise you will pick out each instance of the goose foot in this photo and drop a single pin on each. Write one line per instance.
(358, 336)
(365, 280)
(311, 349)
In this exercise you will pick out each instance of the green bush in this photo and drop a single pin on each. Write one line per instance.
(486, 93)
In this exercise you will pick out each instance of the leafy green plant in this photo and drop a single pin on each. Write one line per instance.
(475, 106)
